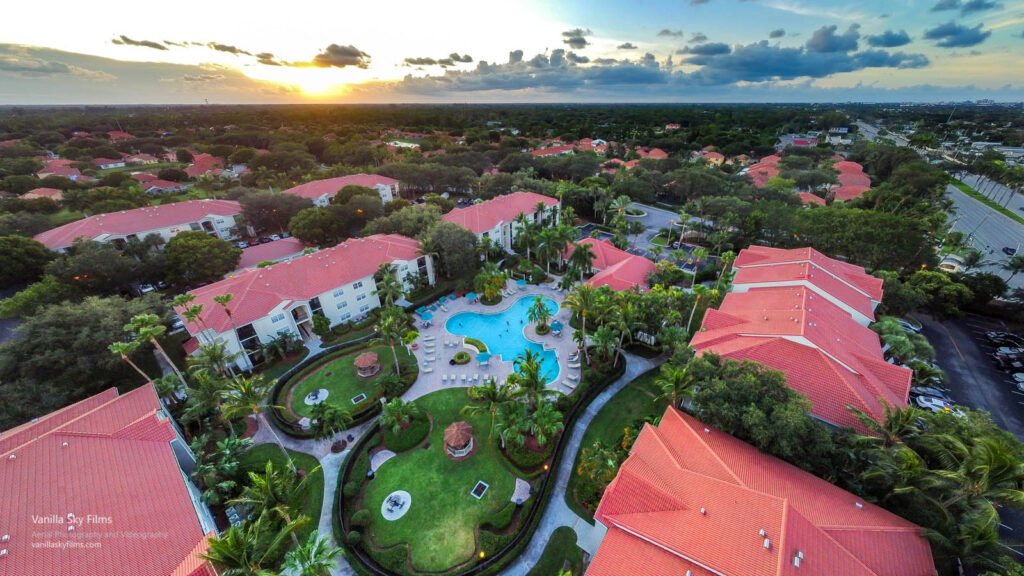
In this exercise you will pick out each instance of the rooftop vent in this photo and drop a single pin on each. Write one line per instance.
(767, 544)
(707, 430)
(65, 444)
(3, 552)
(71, 528)
(703, 511)
(11, 457)
(796, 561)
(761, 533)
(858, 505)
(5, 538)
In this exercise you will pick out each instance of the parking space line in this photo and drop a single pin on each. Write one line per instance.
(1005, 526)
(1017, 552)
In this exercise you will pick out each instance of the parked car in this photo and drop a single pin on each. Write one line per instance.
(1007, 350)
(928, 391)
(937, 405)
(146, 288)
(177, 325)
(285, 235)
(1008, 363)
(909, 325)
(1009, 251)
(253, 243)
(264, 240)
(1018, 377)
(274, 237)
(1005, 339)
(242, 245)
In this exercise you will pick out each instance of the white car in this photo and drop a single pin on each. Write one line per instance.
(1018, 377)
(1010, 351)
(275, 237)
(936, 405)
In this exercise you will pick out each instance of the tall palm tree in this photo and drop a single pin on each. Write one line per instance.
(192, 313)
(545, 423)
(203, 398)
(539, 312)
(727, 258)
(582, 259)
(148, 328)
(327, 419)
(604, 340)
(391, 329)
(698, 255)
(124, 350)
(276, 493)
(490, 397)
(315, 557)
(528, 379)
(583, 301)
(249, 549)
(244, 397)
(389, 288)
(1014, 266)
(398, 414)
(213, 357)
(676, 383)
(684, 219)
(699, 293)
(988, 469)
(625, 320)
(621, 204)
(526, 233)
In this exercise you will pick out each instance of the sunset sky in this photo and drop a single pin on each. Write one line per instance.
(64, 52)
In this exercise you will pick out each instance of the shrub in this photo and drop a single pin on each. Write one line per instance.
(361, 518)
(354, 538)
(407, 437)
(461, 357)
(499, 520)
(352, 488)
(491, 543)
(543, 329)
(476, 344)
(526, 459)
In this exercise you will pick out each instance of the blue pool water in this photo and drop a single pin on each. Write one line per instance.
(502, 332)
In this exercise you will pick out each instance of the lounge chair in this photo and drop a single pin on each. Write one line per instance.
(444, 377)
(570, 385)
(427, 370)
(430, 358)
(476, 377)
(428, 338)
(572, 377)
(463, 378)
(572, 365)
(444, 308)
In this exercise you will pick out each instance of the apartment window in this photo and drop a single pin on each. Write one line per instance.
(357, 285)
(337, 292)
(342, 305)
(345, 317)
(277, 318)
(364, 307)
(315, 307)
(361, 297)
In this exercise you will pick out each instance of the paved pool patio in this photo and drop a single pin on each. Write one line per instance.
(434, 364)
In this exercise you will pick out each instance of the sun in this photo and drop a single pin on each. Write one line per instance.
(310, 80)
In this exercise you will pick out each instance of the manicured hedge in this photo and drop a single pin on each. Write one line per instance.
(525, 459)
(461, 357)
(480, 346)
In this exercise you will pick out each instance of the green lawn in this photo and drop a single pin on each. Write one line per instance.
(441, 522)
(255, 460)
(634, 402)
(560, 548)
(340, 379)
(275, 370)
(658, 240)
(65, 216)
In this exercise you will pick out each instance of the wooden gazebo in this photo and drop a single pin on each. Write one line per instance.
(367, 365)
(458, 440)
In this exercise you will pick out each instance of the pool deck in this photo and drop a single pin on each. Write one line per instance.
(562, 345)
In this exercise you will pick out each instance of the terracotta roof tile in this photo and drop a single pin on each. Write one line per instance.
(483, 217)
(331, 186)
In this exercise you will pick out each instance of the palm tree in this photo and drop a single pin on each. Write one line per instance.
(699, 292)
(490, 397)
(582, 259)
(727, 257)
(527, 378)
(212, 357)
(1014, 266)
(548, 246)
(604, 341)
(388, 384)
(398, 414)
(245, 550)
(513, 424)
(684, 219)
(676, 383)
(539, 312)
(582, 301)
(124, 350)
(621, 204)
(625, 320)
(698, 255)
(490, 281)
(898, 425)
(988, 470)
(599, 463)
(526, 233)
(545, 423)
(276, 493)
(327, 419)
(389, 288)
(203, 398)
(316, 557)
(391, 329)
(148, 328)
(217, 469)
(243, 397)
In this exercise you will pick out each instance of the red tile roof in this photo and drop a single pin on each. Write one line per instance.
(808, 198)
(119, 135)
(825, 354)
(275, 250)
(54, 193)
(317, 188)
(619, 270)
(482, 217)
(105, 161)
(144, 177)
(761, 172)
(773, 159)
(847, 166)
(258, 291)
(201, 164)
(714, 156)
(158, 183)
(849, 273)
(854, 179)
(690, 498)
(850, 192)
(553, 151)
(107, 456)
(653, 153)
(138, 220)
(806, 273)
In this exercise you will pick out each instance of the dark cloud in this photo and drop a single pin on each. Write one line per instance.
(777, 33)
(708, 49)
(673, 33)
(698, 37)
(515, 56)
(943, 5)
(972, 6)
(825, 40)
(126, 41)
(178, 44)
(576, 38)
(336, 56)
(202, 77)
(19, 61)
(421, 61)
(605, 61)
(953, 35)
(889, 39)
(267, 58)
(465, 58)
(451, 60)
(226, 48)
(626, 46)
(576, 59)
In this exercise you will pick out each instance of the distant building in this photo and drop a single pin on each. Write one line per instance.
(215, 217)
(554, 151)
(203, 164)
(496, 218)
(617, 269)
(798, 140)
(52, 193)
(322, 192)
(714, 158)
(672, 126)
(106, 163)
(119, 135)
(84, 486)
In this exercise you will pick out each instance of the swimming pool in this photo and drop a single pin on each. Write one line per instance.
(502, 332)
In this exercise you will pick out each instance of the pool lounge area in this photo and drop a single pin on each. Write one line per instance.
(499, 328)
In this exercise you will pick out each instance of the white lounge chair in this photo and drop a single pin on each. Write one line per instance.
(476, 377)
(463, 378)
(570, 385)
(572, 377)
(428, 338)
(444, 377)
(430, 358)
(427, 370)
(576, 365)
(443, 308)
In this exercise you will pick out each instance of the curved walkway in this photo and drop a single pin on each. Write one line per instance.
(555, 515)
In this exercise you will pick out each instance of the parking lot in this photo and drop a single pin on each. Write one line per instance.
(962, 350)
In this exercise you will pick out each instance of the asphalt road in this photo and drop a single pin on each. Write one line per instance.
(974, 381)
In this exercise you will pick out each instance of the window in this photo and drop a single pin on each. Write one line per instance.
(361, 297)
(364, 307)
(345, 317)
(357, 285)
(342, 305)
(338, 292)
(277, 318)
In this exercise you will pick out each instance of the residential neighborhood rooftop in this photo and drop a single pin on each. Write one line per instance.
(483, 217)
(317, 188)
(617, 269)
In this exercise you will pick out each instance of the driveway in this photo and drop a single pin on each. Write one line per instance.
(974, 381)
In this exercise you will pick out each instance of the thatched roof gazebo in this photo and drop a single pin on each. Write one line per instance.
(367, 365)
(458, 440)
